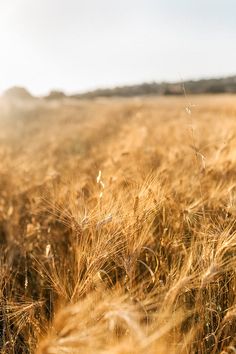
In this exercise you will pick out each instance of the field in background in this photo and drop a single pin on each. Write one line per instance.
(117, 225)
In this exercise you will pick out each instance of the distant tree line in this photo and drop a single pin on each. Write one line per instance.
(204, 86)
(219, 85)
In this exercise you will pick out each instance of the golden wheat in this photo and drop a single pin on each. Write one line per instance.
(117, 226)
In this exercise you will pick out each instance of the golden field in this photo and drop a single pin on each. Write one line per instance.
(117, 225)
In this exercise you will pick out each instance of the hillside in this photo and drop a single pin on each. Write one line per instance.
(217, 85)
(204, 86)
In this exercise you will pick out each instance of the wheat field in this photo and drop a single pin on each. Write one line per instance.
(117, 225)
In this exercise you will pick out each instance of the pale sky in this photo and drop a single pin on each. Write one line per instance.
(78, 45)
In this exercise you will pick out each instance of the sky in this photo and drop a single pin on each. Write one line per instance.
(80, 45)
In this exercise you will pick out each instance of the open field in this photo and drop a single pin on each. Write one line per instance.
(117, 226)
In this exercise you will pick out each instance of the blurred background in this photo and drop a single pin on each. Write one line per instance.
(76, 46)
